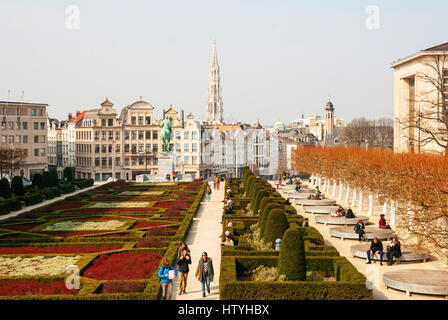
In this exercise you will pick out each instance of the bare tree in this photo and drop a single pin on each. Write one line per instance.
(427, 122)
(384, 128)
(359, 132)
(11, 159)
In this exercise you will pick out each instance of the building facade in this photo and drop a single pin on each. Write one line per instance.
(24, 127)
(419, 105)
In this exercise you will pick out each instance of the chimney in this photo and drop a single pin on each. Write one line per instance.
(78, 113)
(182, 116)
(70, 117)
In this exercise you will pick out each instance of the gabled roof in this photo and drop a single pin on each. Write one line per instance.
(440, 47)
(78, 118)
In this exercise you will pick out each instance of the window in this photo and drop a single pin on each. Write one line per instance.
(177, 135)
(43, 152)
(18, 125)
(148, 148)
(103, 162)
(41, 112)
(134, 148)
(36, 125)
(155, 147)
(134, 135)
(140, 135)
(117, 149)
(110, 148)
(42, 139)
(33, 112)
(154, 161)
(147, 120)
(36, 139)
(110, 122)
(19, 139)
(186, 147)
(96, 135)
(186, 160)
(117, 161)
(177, 147)
(103, 122)
(42, 126)
(103, 135)
(25, 125)
(126, 135)
(97, 148)
(194, 135)
(155, 135)
(141, 161)
(126, 148)
(186, 135)
(194, 147)
(117, 135)
(140, 120)
(110, 161)
(36, 152)
(147, 135)
(140, 147)
(24, 139)
(134, 161)
(133, 120)
(103, 148)
(195, 160)
(126, 161)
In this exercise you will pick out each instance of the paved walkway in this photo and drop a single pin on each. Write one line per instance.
(373, 272)
(38, 205)
(204, 235)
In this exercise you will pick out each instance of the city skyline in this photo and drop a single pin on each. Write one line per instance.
(273, 57)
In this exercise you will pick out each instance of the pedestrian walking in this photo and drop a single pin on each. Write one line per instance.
(208, 192)
(204, 272)
(183, 261)
(167, 273)
(218, 181)
(214, 182)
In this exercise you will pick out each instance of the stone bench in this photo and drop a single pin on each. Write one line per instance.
(320, 209)
(370, 233)
(324, 202)
(340, 220)
(300, 195)
(407, 254)
(423, 281)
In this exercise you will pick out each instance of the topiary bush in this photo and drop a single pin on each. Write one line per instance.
(54, 180)
(265, 215)
(276, 226)
(38, 181)
(17, 186)
(291, 259)
(68, 173)
(46, 179)
(5, 190)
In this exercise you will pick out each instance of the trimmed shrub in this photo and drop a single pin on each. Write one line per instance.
(5, 190)
(83, 183)
(5, 207)
(46, 179)
(32, 198)
(38, 182)
(54, 178)
(276, 226)
(14, 203)
(68, 174)
(291, 259)
(121, 286)
(17, 186)
(260, 195)
(67, 188)
(265, 215)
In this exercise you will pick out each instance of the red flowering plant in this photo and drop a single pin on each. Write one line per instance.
(33, 287)
(124, 266)
(74, 248)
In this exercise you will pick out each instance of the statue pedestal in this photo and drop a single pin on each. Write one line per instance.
(165, 165)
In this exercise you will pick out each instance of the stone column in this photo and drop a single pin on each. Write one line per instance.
(319, 182)
(347, 194)
(325, 186)
(312, 179)
(333, 195)
(384, 211)
(341, 190)
(353, 204)
(360, 201)
(393, 208)
(370, 212)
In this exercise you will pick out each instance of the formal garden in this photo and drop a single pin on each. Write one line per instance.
(116, 235)
(303, 269)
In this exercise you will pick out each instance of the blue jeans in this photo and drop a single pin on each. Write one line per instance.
(205, 281)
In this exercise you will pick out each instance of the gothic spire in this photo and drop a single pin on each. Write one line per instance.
(214, 99)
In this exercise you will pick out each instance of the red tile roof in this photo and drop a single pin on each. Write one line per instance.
(78, 118)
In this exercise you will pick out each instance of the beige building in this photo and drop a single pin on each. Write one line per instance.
(417, 102)
(24, 126)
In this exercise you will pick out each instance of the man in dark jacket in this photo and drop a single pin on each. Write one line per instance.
(375, 246)
(183, 261)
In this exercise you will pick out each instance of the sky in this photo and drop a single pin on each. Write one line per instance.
(279, 59)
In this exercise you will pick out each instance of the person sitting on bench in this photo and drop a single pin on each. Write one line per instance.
(382, 223)
(360, 230)
(394, 250)
(305, 223)
(339, 213)
(287, 202)
(375, 246)
(350, 214)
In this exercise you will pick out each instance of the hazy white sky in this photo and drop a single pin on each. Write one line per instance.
(278, 58)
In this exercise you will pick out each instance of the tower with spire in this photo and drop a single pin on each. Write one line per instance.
(214, 98)
(329, 118)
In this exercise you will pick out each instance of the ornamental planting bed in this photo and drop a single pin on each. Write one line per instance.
(253, 270)
(117, 235)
